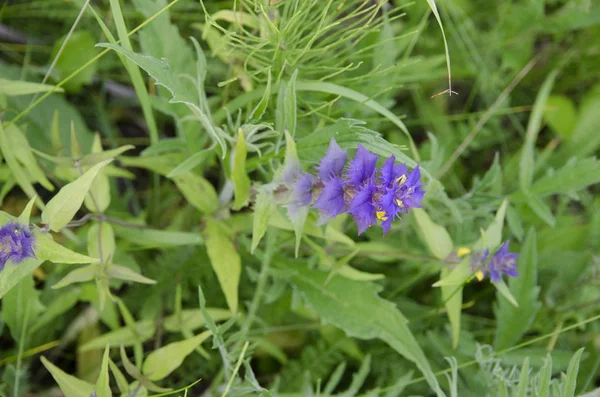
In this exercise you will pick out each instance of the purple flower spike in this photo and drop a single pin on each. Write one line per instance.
(362, 208)
(387, 209)
(503, 262)
(362, 167)
(16, 244)
(303, 190)
(331, 201)
(333, 163)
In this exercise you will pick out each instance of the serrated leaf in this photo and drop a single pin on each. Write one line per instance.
(224, 259)
(160, 71)
(20, 87)
(125, 273)
(514, 322)
(574, 176)
(436, 237)
(64, 205)
(69, 385)
(161, 362)
(239, 176)
(355, 307)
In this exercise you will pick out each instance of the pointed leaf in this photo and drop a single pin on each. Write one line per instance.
(239, 176)
(69, 385)
(125, 273)
(65, 204)
(436, 237)
(224, 259)
(570, 381)
(262, 105)
(161, 362)
(102, 387)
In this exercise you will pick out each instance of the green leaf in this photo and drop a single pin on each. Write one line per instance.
(58, 306)
(502, 288)
(453, 300)
(542, 210)
(152, 238)
(355, 307)
(49, 250)
(574, 176)
(523, 379)
(69, 385)
(543, 385)
(161, 362)
(224, 259)
(492, 236)
(26, 214)
(348, 133)
(263, 208)
(125, 336)
(65, 204)
(77, 51)
(241, 180)
(102, 387)
(101, 241)
(18, 173)
(160, 71)
(570, 380)
(192, 319)
(134, 372)
(198, 192)
(125, 273)
(79, 275)
(560, 114)
(263, 104)
(290, 105)
(436, 237)
(585, 139)
(513, 322)
(190, 163)
(24, 154)
(527, 162)
(20, 87)
(119, 377)
(20, 307)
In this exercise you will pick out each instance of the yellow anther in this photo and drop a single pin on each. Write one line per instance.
(479, 275)
(400, 180)
(399, 203)
(381, 215)
(462, 251)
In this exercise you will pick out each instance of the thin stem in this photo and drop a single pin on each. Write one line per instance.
(21, 346)
(235, 371)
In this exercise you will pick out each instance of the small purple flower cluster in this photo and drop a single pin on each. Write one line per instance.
(359, 189)
(502, 262)
(16, 243)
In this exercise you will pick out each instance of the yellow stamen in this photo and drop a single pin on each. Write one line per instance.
(479, 275)
(381, 215)
(399, 203)
(462, 251)
(401, 180)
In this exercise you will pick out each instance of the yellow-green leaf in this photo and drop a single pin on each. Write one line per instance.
(69, 385)
(239, 176)
(63, 207)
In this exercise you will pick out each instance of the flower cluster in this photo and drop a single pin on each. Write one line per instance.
(358, 188)
(16, 243)
(501, 263)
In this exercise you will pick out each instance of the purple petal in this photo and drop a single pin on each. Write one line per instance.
(331, 201)
(362, 208)
(303, 189)
(333, 163)
(362, 167)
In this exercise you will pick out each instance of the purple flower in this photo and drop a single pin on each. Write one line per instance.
(409, 192)
(303, 190)
(362, 207)
(362, 167)
(503, 262)
(331, 201)
(333, 163)
(16, 243)
(391, 172)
